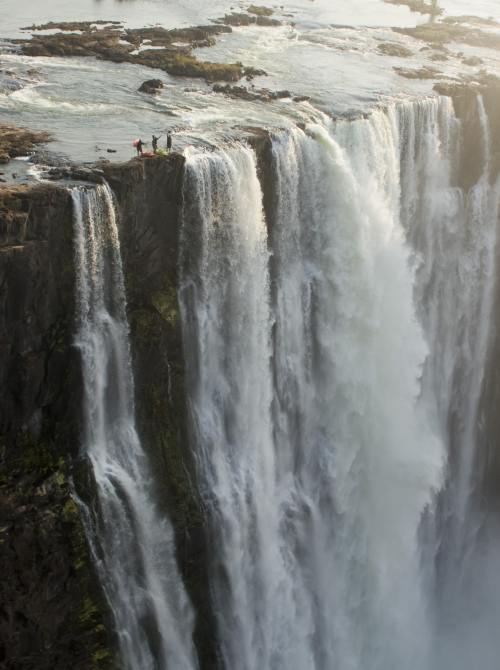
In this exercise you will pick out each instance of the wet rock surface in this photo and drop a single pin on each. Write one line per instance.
(151, 86)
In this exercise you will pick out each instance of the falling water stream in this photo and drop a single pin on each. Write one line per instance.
(132, 543)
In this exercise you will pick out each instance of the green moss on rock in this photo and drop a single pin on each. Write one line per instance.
(166, 303)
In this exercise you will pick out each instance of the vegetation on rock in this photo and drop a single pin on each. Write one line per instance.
(173, 52)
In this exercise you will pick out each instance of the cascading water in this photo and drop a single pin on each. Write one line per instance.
(334, 364)
(132, 543)
(454, 233)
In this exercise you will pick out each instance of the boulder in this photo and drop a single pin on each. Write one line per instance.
(151, 86)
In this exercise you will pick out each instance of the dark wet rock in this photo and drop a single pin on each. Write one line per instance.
(240, 92)
(301, 98)
(151, 86)
(419, 6)
(4, 158)
(393, 49)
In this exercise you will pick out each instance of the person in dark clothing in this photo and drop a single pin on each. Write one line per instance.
(138, 146)
(155, 142)
(169, 141)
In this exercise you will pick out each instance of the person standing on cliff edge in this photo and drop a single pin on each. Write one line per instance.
(155, 142)
(169, 141)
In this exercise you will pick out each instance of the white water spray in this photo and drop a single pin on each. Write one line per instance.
(132, 543)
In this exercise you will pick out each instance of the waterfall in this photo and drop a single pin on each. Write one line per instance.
(132, 542)
(314, 456)
(454, 233)
(335, 359)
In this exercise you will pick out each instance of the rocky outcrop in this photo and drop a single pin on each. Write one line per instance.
(244, 93)
(172, 52)
(151, 86)
(18, 141)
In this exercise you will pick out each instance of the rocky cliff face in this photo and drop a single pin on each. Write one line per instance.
(49, 599)
(52, 614)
